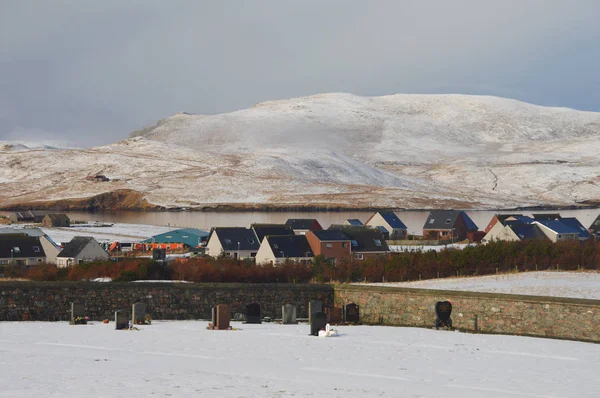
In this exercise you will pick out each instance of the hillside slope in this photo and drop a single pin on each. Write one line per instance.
(329, 150)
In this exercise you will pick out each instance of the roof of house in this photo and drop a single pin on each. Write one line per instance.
(558, 226)
(262, 230)
(21, 245)
(290, 246)
(354, 221)
(188, 236)
(59, 217)
(363, 239)
(382, 229)
(528, 232)
(546, 216)
(75, 246)
(35, 232)
(329, 235)
(229, 237)
(575, 224)
(304, 223)
(391, 218)
(596, 224)
(446, 219)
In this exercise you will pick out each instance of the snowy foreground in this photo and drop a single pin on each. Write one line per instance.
(182, 358)
(558, 284)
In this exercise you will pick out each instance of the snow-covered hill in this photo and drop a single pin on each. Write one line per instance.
(411, 151)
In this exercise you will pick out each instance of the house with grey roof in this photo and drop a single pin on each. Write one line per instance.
(56, 220)
(51, 249)
(454, 225)
(302, 225)
(235, 242)
(389, 224)
(81, 249)
(595, 227)
(365, 241)
(34, 216)
(21, 250)
(262, 230)
(278, 249)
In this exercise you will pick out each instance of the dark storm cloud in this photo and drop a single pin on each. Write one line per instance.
(90, 72)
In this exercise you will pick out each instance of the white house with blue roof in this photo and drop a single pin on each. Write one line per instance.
(388, 221)
(562, 229)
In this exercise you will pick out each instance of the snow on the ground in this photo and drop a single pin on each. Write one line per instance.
(543, 283)
(184, 359)
(425, 248)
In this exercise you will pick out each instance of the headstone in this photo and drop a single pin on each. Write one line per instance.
(318, 321)
(288, 314)
(78, 313)
(138, 311)
(334, 315)
(213, 316)
(314, 307)
(253, 313)
(121, 320)
(223, 317)
(351, 314)
(443, 309)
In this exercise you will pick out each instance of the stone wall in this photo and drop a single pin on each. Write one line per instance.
(555, 317)
(478, 312)
(50, 301)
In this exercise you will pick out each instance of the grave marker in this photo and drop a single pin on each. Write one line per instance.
(138, 311)
(314, 307)
(221, 318)
(351, 313)
(121, 320)
(253, 313)
(443, 309)
(318, 321)
(334, 315)
(288, 314)
(78, 313)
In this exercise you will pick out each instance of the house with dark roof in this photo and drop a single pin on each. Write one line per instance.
(278, 249)
(517, 232)
(575, 224)
(333, 244)
(262, 230)
(235, 242)
(56, 220)
(191, 238)
(558, 231)
(546, 216)
(365, 241)
(34, 216)
(21, 249)
(353, 221)
(500, 218)
(499, 221)
(51, 249)
(302, 225)
(81, 249)
(453, 225)
(389, 224)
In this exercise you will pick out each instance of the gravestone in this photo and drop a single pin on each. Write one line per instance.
(443, 309)
(334, 315)
(318, 321)
(253, 313)
(121, 320)
(288, 314)
(351, 314)
(223, 317)
(314, 307)
(78, 313)
(213, 316)
(138, 311)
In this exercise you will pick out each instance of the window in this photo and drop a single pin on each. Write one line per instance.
(448, 221)
(344, 244)
(308, 254)
(432, 221)
(16, 249)
(377, 242)
(559, 236)
(185, 236)
(39, 260)
(227, 241)
(354, 243)
(275, 246)
(3, 262)
(168, 236)
(328, 245)
(36, 249)
(250, 240)
(358, 256)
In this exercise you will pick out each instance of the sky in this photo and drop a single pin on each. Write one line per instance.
(87, 73)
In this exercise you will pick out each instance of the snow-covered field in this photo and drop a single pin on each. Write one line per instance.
(183, 359)
(559, 284)
(397, 151)
(437, 248)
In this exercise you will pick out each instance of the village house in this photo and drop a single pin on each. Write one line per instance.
(452, 225)
(365, 242)
(500, 218)
(31, 216)
(21, 250)
(56, 220)
(500, 221)
(353, 221)
(557, 230)
(332, 244)
(595, 227)
(278, 249)
(516, 232)
(302, 225)
(236, 242)
(262, 230)
(177, 239)
(81, 249)
(389, 224)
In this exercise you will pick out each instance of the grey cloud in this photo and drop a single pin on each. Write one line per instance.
(90, 72)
